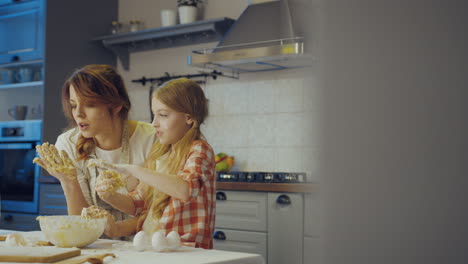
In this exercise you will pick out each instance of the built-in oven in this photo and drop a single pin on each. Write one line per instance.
(19, 186)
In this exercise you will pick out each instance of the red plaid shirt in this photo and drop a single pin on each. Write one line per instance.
(194, 220)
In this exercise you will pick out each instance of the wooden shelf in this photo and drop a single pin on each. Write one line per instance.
(21, 85)
(164, 37)
(267, 187)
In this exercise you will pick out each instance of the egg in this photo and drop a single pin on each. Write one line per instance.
(159, 242)
(141, 241)
(173, 240)
(15, 240)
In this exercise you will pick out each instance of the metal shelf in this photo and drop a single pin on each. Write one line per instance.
(164, 37)
(21, 85)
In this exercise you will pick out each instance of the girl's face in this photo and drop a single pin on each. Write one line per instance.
(92, 120)
(171, 126)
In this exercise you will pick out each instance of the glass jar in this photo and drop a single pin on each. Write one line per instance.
(135, 25)
(116, 27)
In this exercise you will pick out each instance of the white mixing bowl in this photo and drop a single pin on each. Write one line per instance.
(71, 230)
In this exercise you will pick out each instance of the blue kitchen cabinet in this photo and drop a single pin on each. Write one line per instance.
(53, 38)
(21, 31)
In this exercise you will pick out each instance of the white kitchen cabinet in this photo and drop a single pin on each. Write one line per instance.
(241, 222)
(313, 250)
(241, 210)
(241, 241)
(266, 223)
(312, 229)
(312, 215)
(285, 228)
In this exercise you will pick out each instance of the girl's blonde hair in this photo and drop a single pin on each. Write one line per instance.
(184, 96)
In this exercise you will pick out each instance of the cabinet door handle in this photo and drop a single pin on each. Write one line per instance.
(219, 235)
(283, 199)
(221, 196)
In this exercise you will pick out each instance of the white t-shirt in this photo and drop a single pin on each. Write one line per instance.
(140, 143)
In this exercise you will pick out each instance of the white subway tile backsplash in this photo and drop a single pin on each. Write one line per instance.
(265, 120)
(311, 163)
(236, 98)
(289, 159)
(235, 130)
(215, 95)
(262, 159)
(289, 129)
(290, 95)
(312, 95)
(312, 129)
(262, 131)
(262, 97)
(212, 129)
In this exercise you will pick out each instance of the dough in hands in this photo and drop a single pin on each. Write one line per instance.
(60, 162)
(93, 212)
(109, 181)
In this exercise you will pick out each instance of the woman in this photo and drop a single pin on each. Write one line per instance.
(96, 103)
(177, 189)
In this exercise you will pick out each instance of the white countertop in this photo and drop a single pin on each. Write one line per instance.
(127, 254)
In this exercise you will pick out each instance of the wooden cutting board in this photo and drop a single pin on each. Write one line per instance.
(36, 254)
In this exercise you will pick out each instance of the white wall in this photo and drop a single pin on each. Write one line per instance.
(268, 120)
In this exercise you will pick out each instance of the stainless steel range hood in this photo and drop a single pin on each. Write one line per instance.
(263, 38)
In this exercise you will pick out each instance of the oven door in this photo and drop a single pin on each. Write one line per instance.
(19, 190)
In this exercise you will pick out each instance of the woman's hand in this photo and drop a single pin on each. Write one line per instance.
(110, 229)
(56, 164)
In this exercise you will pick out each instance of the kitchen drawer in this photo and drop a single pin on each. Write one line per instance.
(19, 222)
(241, 210)
(52, 200)
(312, 215)
(313, 251)
(285, 228)
(241, 241)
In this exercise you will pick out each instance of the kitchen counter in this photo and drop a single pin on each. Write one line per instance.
(242, 186)
(126, 254)
(267, 187)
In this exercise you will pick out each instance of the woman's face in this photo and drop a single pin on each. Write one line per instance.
(171, 126)
(92, 120)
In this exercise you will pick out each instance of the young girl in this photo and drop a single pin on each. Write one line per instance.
(177, 188)
(96, 104)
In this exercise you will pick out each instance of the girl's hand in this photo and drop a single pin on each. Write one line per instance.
(120, 168)
(107, 183)
(56, 164)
